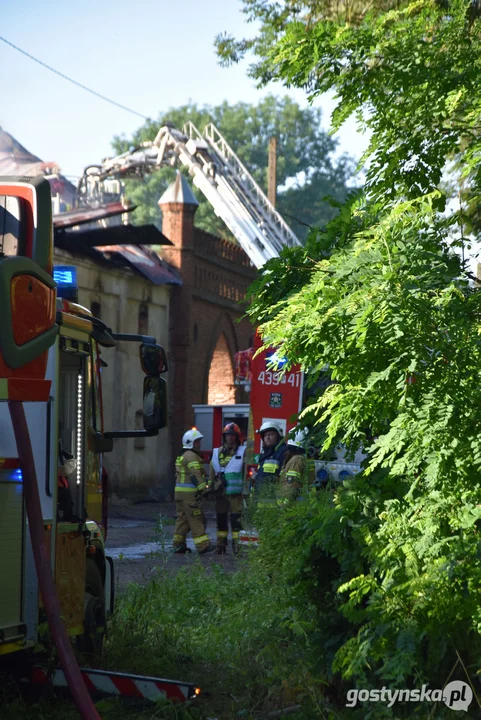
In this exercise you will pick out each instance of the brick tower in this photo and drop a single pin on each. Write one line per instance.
(178, 206)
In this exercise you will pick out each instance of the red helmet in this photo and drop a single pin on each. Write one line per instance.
(233, 429)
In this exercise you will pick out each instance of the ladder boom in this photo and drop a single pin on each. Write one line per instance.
(217, 172)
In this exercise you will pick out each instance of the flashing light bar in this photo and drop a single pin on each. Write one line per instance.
(66, 278)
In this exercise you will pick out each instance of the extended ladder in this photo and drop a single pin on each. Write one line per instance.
(220, 176)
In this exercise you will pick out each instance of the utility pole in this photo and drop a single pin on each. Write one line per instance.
(272, 171)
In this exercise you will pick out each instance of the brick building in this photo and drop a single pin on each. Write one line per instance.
(192, 310)
(204, 332)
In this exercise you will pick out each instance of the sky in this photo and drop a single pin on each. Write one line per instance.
(147, 54)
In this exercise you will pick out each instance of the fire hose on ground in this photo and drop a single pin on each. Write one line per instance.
(68, 661)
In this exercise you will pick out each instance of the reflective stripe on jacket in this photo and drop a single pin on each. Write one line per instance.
(270, 463)
(189, 473)
(231, 466)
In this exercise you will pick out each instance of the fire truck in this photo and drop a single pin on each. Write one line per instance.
(57, 579)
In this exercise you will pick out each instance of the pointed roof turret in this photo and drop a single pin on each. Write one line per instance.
(179, 192)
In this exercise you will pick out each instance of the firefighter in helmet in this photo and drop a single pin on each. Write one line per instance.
(296, 470)
(226, 476)
(272, 454)
(190, 485)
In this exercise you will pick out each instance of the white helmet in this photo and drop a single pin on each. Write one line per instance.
(297, 437)
(190, 437)
(270, 425)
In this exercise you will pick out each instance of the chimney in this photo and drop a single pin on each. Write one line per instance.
(178, 205)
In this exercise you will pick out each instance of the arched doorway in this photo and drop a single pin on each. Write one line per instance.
(221, 390)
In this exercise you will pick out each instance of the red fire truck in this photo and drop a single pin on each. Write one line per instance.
(56, 573)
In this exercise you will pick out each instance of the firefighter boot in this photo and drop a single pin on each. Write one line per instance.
(179, 545)
(221, 545)
(205, 548)
(181, 550)
(235, 543)
(202, 544)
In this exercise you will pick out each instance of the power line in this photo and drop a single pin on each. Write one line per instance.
(74, 82)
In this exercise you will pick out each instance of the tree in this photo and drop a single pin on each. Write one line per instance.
(383, 299)
(306, 170)
(272, 18)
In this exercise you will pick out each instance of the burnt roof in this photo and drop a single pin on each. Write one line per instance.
(115, 235)
(81, 216)
(122, 246)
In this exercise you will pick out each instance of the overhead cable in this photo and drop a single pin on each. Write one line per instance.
(74, 82)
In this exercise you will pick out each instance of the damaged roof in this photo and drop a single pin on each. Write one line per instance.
(116, 245)
(144, 261)
(82, 216)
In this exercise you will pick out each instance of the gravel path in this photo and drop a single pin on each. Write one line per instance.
(139, 544)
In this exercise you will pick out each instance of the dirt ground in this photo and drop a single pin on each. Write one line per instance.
(138, 542)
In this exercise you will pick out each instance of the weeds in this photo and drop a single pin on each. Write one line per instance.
(224, 632)
(257, 640)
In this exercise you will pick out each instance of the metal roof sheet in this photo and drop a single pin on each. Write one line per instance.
(116, 235)
(81, 216)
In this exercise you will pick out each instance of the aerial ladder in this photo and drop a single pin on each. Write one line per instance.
(218, 173)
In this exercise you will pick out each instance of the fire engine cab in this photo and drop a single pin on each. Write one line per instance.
(52, 435)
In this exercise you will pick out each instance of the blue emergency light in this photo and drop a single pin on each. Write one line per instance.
(15, 476)
(66, 278)
(275, 361)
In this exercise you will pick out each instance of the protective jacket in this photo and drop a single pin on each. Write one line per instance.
(229, 465)
(189, 475)
(270, 462)
(295, 473)
(189, 486)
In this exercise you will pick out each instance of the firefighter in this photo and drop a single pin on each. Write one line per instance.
(271, 458)
(296, 469)
(226, 476)
(190, 485)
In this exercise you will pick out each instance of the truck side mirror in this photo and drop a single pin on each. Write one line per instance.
(155, 403)
(153, 359)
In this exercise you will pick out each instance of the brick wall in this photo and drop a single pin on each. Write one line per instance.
(205, 328)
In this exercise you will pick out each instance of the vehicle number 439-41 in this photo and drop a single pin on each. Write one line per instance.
(276, 378)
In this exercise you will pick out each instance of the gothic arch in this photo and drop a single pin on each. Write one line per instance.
(220, 387)
(219, 373)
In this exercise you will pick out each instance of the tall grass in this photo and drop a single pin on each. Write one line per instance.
(228, 633)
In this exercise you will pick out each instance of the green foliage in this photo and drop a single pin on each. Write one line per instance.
(273, 17)
(223, 632)
(306, 171)
(380, 298)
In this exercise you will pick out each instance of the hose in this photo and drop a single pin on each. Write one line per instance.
(68, 661)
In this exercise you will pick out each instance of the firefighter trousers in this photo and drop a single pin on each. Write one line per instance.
(190, 518)
(226, 505)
